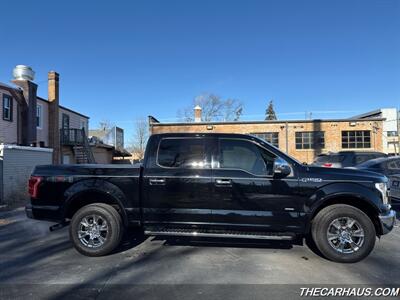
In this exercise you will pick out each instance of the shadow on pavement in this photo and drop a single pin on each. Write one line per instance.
(132, 238)
(30, 254)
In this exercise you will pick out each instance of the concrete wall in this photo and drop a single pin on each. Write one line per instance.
(17, 165)
(332, 130)
(8, 129)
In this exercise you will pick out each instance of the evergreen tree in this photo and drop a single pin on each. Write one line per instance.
(270, 112)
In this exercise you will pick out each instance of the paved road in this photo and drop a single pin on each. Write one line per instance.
(36, 263)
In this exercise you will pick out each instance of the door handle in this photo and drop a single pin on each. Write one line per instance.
(223, 182)
(157, 181)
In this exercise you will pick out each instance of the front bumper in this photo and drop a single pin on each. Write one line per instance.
(387, 221)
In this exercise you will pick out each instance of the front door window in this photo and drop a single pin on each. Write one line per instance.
(245, 156)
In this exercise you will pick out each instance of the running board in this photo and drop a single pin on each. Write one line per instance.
(230, 234)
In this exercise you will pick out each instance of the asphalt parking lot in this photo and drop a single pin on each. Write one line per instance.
(36, 263)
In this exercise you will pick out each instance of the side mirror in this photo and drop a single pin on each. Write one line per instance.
(281, 168)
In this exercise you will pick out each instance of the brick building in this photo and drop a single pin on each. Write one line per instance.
(29, 120)
(302, 139)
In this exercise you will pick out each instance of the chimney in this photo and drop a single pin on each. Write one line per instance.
(197, 114)
(23, 77)
(54, 128)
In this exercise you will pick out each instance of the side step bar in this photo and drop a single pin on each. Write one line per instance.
(236, 235)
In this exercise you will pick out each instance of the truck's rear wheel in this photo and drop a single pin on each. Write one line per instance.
(96, 229)
(343, 233)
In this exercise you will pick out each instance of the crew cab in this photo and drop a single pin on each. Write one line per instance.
(215, 185)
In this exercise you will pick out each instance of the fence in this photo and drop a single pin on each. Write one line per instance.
(16, 165)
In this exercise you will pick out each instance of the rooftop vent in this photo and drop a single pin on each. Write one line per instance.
(22, 72)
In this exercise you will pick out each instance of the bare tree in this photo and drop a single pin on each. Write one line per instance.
(140, 137)
(213, 109)
(105, 125)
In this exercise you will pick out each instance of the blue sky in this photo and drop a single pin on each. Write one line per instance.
(121, 60)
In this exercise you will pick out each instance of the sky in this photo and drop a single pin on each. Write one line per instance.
(125, 60)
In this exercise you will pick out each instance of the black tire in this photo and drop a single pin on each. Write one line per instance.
(324, 220)
(112, 237)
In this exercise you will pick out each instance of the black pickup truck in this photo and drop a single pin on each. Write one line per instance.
(215, 185)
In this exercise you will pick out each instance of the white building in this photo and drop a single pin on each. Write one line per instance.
(390, 128)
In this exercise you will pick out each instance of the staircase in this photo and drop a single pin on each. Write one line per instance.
(81, 156)
(78, 140)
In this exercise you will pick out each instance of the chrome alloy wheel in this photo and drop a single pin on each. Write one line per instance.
(93, 231)
(345, 235)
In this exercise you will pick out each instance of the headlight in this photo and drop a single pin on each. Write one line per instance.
(382, 188)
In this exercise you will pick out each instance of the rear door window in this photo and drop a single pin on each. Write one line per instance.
(183, 153)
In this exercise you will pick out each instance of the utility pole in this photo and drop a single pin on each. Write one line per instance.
(287, 137)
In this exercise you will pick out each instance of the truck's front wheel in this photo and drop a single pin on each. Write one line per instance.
(343, 233)
(96, 229)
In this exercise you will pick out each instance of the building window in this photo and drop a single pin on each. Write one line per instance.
(391, 133)
(310, 140)
(270, 137)
(356, 139)
(83, 124)
(7, 108)
(65, 121)
(39, 118)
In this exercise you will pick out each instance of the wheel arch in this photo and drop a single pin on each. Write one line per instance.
(349, 199)
(91, 191)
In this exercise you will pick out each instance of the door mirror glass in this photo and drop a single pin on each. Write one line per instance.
(281, 168)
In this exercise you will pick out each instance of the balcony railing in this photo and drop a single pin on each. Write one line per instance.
(72, 136)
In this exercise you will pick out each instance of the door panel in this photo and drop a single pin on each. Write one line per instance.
(177, 187)
(177, 196)
(253, 201)
(261, 203)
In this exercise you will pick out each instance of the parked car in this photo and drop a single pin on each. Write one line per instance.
(395, 189)
(215, 185)
(344, 159)
(390, 167)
